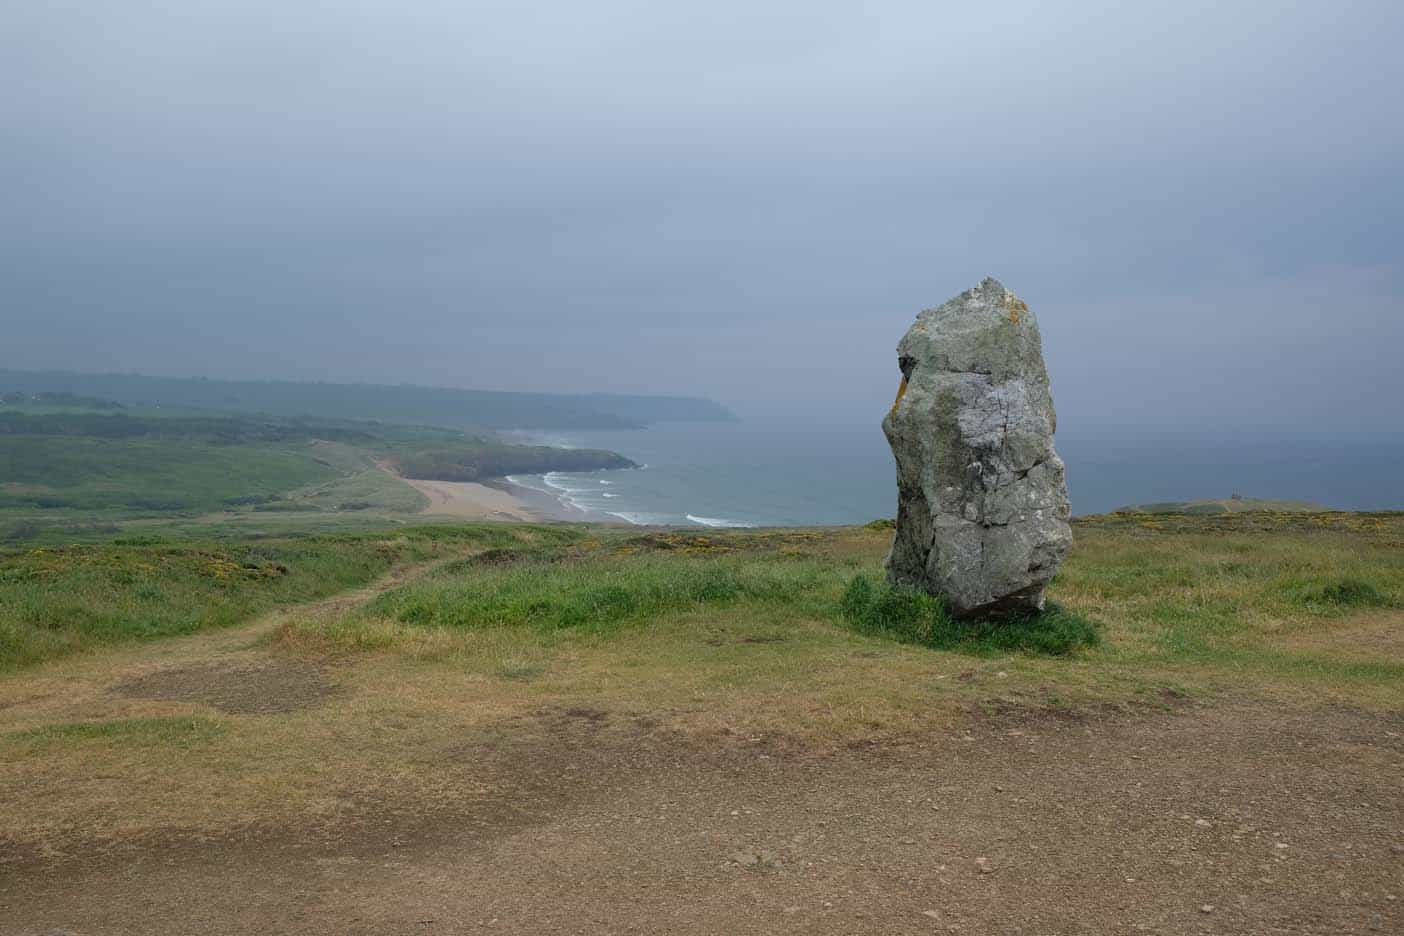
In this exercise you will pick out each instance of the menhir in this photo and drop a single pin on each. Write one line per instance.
(982, 502)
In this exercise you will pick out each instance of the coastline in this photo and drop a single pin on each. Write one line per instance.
(550, 506)
(471, 500)
(489, 499)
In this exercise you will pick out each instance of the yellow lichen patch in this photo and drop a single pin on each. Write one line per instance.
(901, 392)
(1017, 307)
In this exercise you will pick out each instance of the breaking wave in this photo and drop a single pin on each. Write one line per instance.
(638, 518)
(718, 522)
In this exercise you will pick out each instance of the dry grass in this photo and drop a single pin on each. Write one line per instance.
(1187, 613)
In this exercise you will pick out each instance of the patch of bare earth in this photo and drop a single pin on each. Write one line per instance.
(1243, 818)
(270, 685)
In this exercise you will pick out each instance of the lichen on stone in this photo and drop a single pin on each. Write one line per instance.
(1017, 307)
(901, 392)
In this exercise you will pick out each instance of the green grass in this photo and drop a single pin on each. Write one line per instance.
(1297, 599)
(67, 488)
(56, 601)
(604, 593)
(1185, 601)
(180, 732)
(917, 618)
(57, 473)
(359, 485)
(601, 594)
(1225, 505)
(1349, 593)
(1258, 597)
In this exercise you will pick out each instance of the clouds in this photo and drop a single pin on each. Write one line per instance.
(746, 200)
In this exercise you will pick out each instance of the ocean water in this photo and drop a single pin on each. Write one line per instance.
(781, 474)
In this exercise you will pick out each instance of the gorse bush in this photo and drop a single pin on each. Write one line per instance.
(915, 617)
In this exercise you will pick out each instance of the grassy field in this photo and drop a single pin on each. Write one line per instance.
(756, 703)
(1225, 505)
(768, 632)
(59, 600)
(1173, 602)
(87, 475)
(1299, 602)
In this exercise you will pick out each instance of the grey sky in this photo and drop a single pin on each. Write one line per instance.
(1203, 202)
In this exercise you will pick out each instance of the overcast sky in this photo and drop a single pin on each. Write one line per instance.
(1203, 202)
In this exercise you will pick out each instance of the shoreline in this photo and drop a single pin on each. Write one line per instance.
(537, 502)
(489, 499)
(473, 500)
(553, 507)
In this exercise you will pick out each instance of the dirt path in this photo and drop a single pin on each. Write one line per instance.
(233, 662)
(1240, 820)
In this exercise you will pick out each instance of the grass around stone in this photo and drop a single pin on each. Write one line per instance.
(914, 617)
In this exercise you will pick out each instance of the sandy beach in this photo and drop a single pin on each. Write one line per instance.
(473, 501)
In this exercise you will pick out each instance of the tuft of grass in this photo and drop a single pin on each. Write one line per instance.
(1350, 593)
(915, 617)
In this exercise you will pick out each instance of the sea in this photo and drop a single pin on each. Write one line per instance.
(779, 473)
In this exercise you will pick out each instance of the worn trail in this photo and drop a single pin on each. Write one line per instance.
(1245, 819)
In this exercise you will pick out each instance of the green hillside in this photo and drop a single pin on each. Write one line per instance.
(404, 403)
(1226, 505)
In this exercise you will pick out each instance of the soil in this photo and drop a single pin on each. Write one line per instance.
(1239, 818)
(265, 686)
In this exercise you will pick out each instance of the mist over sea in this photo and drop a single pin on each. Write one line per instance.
(773, 473)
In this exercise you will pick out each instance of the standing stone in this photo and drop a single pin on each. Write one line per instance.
(982, 504)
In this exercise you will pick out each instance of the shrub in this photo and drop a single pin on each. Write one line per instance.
(915, 617)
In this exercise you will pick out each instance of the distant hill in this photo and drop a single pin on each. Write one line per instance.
(403, 403)
(54, 401)
(651, 409)
(1225, 505)
(80, 468)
